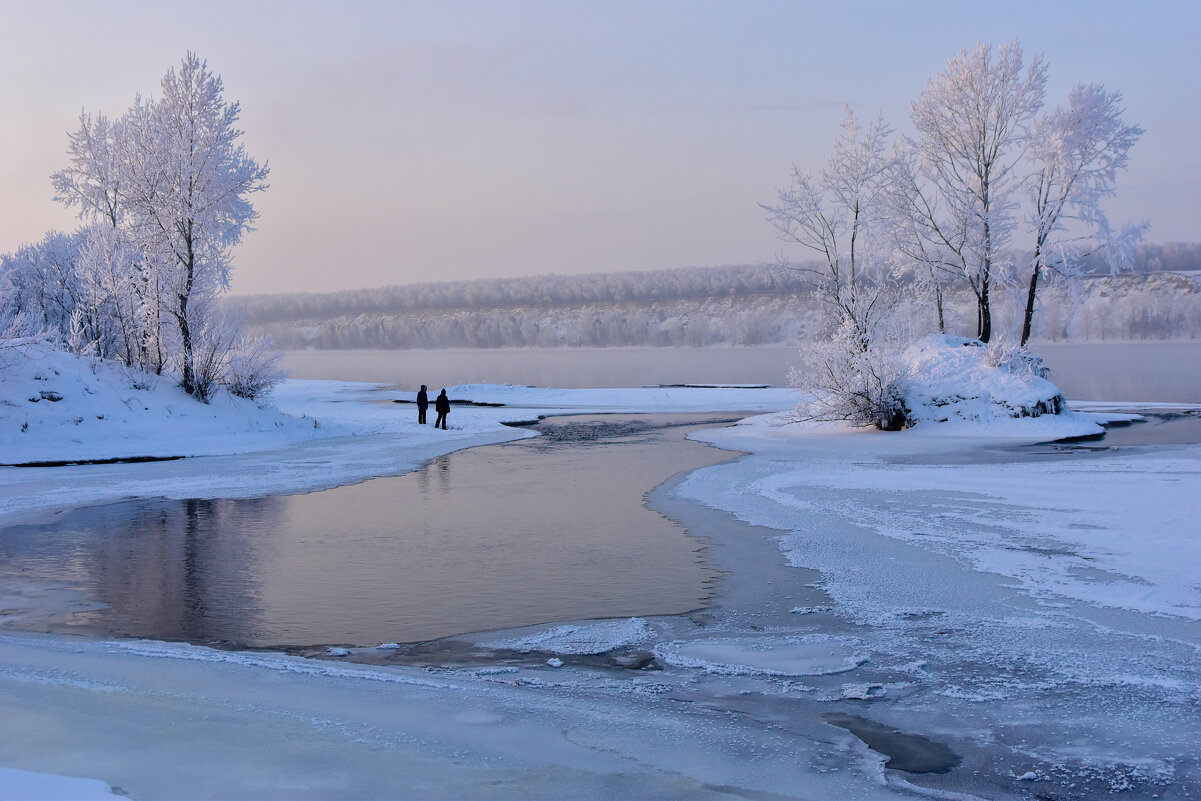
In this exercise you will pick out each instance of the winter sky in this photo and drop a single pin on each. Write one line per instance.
(424, 141)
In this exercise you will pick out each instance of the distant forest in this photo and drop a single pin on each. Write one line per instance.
(741, 305)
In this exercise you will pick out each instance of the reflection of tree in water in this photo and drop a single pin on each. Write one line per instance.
(170, 569)
(507, 536)
(439, 467)
(442, 468)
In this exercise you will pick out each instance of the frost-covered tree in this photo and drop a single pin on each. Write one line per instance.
(839, 216)
(187, 194)
(164, 194)
(929, 248)
(99, 159)
(110, 288)
(1076, 154)
(974, 122)
(104, 156)
(42, 290)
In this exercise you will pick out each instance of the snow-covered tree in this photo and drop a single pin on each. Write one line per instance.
(841, 382)
(104, 156)
(974, 123)
(839, 217)
(1076, 155)
(929, 249)
(187, 195)
(164, 194)
(42, 290)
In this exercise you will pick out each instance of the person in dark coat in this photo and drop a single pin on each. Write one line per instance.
(442, 407)
(423, 403)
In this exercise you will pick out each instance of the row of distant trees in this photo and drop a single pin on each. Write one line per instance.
(638, 287)
(529, 291)
(163, 194)
(694, 322)
(1126, 307)
(989, 174)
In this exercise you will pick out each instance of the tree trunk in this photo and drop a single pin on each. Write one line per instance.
(185, 334)
(185, 331)
(1030, 293)
(985, 312)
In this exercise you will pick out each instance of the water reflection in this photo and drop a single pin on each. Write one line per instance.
(541, 530)
(165, 569)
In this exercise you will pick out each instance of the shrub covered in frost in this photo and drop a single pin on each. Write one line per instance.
(845, 380)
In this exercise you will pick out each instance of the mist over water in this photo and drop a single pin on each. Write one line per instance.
(1168, 372)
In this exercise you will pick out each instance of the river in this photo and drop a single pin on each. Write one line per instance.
(537, 530)
(1167, 372)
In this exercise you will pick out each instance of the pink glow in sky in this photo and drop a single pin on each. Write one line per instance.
(451, 140)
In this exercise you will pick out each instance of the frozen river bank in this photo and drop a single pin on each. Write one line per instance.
(1029, 627)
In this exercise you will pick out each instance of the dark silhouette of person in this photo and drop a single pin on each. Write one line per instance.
(442, 407)
(423, 403)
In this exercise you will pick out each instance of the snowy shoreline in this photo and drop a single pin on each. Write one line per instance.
(897, 544)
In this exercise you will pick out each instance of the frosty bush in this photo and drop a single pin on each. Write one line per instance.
(844, 382)
(246, 367)
(210, 358)
(1016, 359)
(253, 369)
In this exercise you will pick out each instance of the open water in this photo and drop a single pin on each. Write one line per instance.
(546, 529)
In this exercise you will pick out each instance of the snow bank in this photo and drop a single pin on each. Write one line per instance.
(57, 407)
(313, 435)
(957, 380)
(1114, 532)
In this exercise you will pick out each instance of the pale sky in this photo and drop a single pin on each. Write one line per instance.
(429, 141)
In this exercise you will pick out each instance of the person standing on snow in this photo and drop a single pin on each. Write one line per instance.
(423, 403)
(442, 407)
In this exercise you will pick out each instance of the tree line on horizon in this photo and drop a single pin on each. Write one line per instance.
(612, 288)
(1130, 307)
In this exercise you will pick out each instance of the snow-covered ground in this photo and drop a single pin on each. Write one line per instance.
(1038, 615)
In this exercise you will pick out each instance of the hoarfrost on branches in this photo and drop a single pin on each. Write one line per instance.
(1077, 154)
(838, 216)
(164, 193)
(942, 211)
(188, 199)
(974, 124)
(843, 382)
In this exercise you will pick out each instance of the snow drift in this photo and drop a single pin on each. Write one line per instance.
(57, 407)
(959, 379)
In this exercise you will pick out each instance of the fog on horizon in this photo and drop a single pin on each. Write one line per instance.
(414, 142)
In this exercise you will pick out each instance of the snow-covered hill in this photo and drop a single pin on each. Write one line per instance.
(954, 380)
(57, 407)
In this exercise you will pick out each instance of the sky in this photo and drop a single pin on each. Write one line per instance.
(429, 141)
